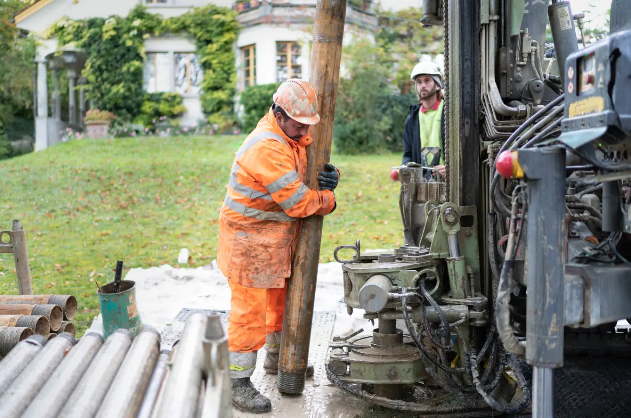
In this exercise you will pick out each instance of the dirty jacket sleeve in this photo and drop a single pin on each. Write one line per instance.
(272, 164)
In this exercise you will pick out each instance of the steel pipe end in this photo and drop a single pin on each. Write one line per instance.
(37, 339)
(96, 335)
(124, 332)
(67, 327)
(68, 336)
(38, 323)
(149, 328)
(51, 336)
(291, 383)
(52, 312)
(11, 336)
(68, 304)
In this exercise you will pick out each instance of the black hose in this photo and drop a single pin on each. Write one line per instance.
(419, 344)
(446, 333)
(545, 132)
(583, 206)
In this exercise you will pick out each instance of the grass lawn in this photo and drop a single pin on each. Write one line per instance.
(85, 204)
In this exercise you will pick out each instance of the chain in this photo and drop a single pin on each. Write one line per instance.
(446, 78)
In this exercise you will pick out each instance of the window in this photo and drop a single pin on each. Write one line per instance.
(156, 73)
(188, 73)
(288, 61)
(156, 1)
(248, 54)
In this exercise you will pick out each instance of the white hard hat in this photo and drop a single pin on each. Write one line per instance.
(430, 69)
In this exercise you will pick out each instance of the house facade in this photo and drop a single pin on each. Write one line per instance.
(273, 45)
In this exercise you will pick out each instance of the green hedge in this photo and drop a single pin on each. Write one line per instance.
(256, 101)
(159, 107)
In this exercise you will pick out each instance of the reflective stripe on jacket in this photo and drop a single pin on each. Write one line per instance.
(266, 196)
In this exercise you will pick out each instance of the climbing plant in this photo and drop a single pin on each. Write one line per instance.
(116, 53)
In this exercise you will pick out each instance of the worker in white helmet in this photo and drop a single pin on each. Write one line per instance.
(424, 132)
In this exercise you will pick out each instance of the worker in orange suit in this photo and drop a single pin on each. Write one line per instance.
(258, 226)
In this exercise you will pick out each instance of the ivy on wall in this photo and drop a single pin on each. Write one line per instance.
(116, 53)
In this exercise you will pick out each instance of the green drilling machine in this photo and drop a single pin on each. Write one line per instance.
(515, 272)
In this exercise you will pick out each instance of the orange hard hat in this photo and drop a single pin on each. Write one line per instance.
(298, 99)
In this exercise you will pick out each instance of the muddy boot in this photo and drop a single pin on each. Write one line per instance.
(247, 398)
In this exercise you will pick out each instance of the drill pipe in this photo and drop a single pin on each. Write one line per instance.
(89, 393)
(19, 395)
(38, 323)
(155, 383)
(67, 303)
(325, 71)
(52, 397)
(52, 312)
(218, 394)
(17, 360)
(181, 392)
(11, 336)
(66, 327)
(51, 336)
(129, 386)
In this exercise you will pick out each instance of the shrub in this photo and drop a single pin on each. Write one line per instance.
(256, 101)
(96, 115)
(159, 107)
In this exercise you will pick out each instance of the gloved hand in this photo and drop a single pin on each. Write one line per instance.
(328, 179)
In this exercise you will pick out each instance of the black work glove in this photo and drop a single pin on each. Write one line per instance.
(328, 179)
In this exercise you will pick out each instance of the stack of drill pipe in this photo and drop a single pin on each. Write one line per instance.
(26, 386)
(17, 360)
(158, 376)
(67, 303)
(88, 395)
(11, 336)
(38, 323)
(52, 312)
(66, 327)
(54, 394)
(125, 395)
(180, 395)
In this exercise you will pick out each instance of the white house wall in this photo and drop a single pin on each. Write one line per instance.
(265, 38)
(43, 19)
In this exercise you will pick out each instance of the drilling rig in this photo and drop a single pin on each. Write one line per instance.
(515, 267)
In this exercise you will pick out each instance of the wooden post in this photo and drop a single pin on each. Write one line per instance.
(16, 244)
(325, 72)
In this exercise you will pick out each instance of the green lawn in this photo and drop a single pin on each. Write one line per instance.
(85, 204)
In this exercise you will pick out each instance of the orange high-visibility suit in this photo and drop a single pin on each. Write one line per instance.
(258, 226)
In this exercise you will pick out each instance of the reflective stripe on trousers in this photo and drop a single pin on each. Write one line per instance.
(242, 364)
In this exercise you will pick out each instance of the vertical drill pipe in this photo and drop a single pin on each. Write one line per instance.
(20, 256)
(38, 323)
(543, 392)
(52, 312)
(155, 383)
(325, 72)
(91, 389)
(181, 392)
(11, 336)
(19, 395)
(545, 172)
(67, 303)
(129, 386)
(17, 360)
(217, 400)
(54, 394)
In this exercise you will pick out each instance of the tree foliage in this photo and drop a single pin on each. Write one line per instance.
(16, 78)
(115, 49)
(256, 101)
(375, 92)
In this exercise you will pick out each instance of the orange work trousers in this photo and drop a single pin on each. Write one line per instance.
(254, 313)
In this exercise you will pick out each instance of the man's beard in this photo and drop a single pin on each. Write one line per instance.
(423, 95)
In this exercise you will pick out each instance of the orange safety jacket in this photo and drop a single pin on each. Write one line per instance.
(266, 197)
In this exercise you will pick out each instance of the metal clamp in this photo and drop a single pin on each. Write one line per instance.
(355, 247)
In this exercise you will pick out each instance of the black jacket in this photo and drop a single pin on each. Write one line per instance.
(412, 136)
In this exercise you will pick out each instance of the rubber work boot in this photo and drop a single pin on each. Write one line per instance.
(272, 346)
(247, 398)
